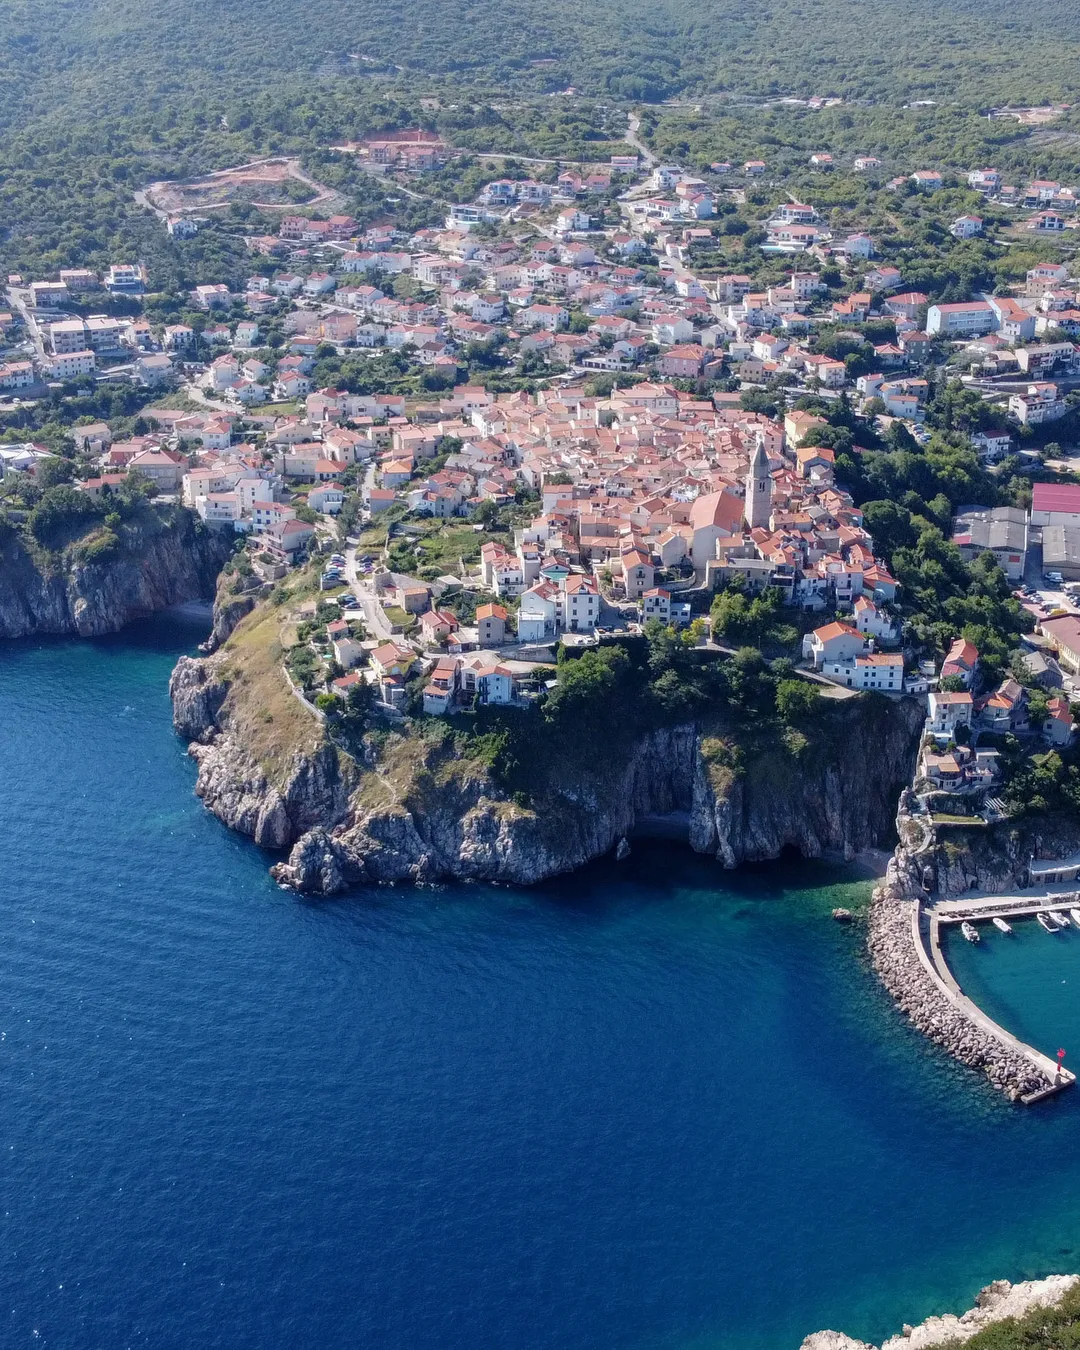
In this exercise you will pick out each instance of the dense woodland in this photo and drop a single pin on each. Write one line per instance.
(96, 103)
(118, 56)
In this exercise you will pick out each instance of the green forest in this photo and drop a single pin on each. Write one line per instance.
(97, 103)
(119, 56)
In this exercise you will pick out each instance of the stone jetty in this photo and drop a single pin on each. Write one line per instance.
(894, 949)
(929, 996)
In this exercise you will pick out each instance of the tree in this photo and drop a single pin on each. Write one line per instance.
(62, 514)
(486, 513)
(889, 526)
(796, 700)
(359, 704)
(53, 471)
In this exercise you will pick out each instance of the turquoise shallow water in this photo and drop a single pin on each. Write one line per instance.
(648, 1107)
(1028, 980)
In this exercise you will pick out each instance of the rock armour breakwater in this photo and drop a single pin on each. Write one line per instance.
(899, 954)
(895, 954)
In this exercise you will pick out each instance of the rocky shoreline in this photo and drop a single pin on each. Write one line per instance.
(993, 1304)
(420, 813)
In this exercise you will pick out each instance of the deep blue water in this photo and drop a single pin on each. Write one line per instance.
(648, 1107)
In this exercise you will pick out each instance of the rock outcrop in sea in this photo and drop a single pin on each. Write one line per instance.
(992, 1304)
(414, 810)
(166, 560)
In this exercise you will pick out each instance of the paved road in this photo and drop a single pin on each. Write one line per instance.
(633, 126)
(200, 396)
(377, 623)
(29, 318)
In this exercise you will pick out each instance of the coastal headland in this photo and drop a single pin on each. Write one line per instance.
(418, 802)
(423, 802)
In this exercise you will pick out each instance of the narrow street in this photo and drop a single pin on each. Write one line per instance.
(198, 395)
(633, 126)
(377, 623)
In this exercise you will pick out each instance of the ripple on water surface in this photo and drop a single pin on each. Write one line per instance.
(653, 1105)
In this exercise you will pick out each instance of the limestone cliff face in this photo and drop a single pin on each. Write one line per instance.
(235, 598)
(950, 860)
(310, 790)
(839, 797)
(418, 812)
(164, 563)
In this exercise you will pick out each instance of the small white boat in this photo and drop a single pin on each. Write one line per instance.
(969, 931)
(1047, 922)
(1060, 918)
(1004, 927)
(1074, 914)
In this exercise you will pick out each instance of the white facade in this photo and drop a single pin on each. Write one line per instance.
(961, 320)
(69, 365)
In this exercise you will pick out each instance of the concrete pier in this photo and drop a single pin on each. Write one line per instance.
(948, 912)
(905, 944)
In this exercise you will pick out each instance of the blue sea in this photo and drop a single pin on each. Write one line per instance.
(651, 1106)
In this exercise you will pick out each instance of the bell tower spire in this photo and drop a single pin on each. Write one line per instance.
(758, 491)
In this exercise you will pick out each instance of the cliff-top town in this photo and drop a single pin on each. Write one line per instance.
(540, 602)
(646, 474)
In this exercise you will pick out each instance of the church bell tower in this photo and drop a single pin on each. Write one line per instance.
(758, 491)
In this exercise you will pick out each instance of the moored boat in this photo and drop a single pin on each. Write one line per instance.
(1060, 918)
(1074, 914)
(969, 931)
(1047, 922)
(1002, 926)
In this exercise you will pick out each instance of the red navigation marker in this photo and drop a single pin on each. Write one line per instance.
(1061, 1055)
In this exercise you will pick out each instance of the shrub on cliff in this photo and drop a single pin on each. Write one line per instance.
(98, 547)
(62, 515)
(796, 700)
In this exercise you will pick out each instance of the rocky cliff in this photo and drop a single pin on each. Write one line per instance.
(951, 859)
(235, 598)
(412, 808)
(166, 559)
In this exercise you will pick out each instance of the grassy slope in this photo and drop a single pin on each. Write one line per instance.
(269, 719)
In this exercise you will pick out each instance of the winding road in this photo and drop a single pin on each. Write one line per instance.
(633, 126)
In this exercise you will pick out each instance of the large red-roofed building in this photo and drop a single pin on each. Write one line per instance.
(1055, 504)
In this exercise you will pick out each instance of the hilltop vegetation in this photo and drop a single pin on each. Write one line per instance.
(98, 103)
(116, 57)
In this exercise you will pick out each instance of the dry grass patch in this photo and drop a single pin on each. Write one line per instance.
(260, 704)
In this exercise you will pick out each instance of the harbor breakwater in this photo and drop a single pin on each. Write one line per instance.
(903, 955)
(900, 960)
